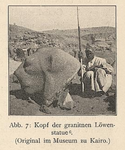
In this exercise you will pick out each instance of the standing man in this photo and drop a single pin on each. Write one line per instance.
(98, 76)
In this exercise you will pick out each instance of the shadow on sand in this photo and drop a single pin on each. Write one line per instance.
(112, 102)
(20, 94)
(75, 89)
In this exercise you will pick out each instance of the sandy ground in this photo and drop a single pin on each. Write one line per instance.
(104, 105)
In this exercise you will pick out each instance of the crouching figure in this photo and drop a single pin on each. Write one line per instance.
(98, 76)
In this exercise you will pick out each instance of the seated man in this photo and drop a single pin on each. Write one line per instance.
(98, 76)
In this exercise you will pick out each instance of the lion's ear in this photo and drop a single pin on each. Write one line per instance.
(50, 63)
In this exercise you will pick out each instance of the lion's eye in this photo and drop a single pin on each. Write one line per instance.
(26, 64)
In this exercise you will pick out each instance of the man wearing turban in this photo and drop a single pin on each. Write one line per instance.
(98, 76)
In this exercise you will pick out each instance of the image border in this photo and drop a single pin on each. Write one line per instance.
(84, 115)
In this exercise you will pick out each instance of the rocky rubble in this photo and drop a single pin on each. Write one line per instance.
(23, 38)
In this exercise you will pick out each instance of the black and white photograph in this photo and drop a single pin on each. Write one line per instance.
(62, 60)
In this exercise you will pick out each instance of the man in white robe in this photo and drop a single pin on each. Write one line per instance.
(98, 76)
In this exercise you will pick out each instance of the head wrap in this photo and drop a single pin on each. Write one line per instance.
(89, 48)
